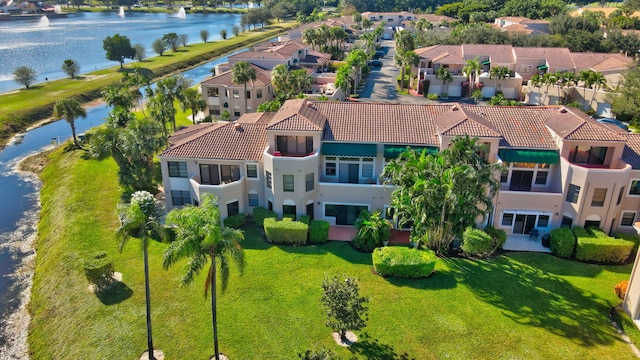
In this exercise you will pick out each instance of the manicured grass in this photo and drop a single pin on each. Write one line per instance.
(515, 306)
(19, 109)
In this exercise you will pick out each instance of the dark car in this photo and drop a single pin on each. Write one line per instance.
(615, 122)
(379, 54)
(374, 63)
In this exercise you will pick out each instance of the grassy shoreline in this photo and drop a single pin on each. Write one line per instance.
(519, 305)
(22, 108)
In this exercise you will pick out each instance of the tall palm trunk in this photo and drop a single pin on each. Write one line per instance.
(73, 132)
(147, 297)
(214, 311)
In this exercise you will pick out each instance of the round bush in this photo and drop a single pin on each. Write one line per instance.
(404, 262)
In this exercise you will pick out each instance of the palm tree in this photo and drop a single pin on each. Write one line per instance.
(309, 36)
(405, 41)
(343, 79)
(598, 81)
(198, 237)
(301, 81)
(499, 73)
(586, 76)
(403, 60)
(140, 219)
(445, 76)
(280, 80)
(167, 91)
(242, 73)
(471, 70)
(70, 110)
(192, 100)
(536, 81)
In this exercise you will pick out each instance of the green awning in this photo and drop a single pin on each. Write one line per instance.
(346, 149)
(393, 151)
(488, 62)
(529, 156)
(543, 67)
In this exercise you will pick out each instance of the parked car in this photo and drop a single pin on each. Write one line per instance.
(379, 54)
(615, 122)
(374, 63)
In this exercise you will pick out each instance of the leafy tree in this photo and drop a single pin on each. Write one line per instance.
(345, 308)
(281, 10)
(25, 76)
(199, 237)
(141, 219)
(373, 231)
(183, 39)
(269, 106)
(223, 34)
(471, 70)
(445, 76)
(320, 354)
(71, 68)
(159, 47)
(140, 52)
(235, 30)
(171, 40)
(70, 110)
(242, 73)
(192, 100)
(442, 194)
(118, 48)
(404, 60)
(204, 35)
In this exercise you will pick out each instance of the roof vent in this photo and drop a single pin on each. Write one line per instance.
(237, 126)
(455, 108)
(563, 110)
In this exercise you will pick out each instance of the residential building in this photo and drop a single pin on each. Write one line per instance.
(324, 159)
(522, 25)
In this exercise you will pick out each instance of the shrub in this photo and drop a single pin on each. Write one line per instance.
(99, 270)
(235, 221)
(635, 238)
(373, 229)
(621, 289)
(476, 242)
(286, 231)
(305, 219)
(562, 242)
(260, 213)
(594, 245)
(499, 236)
(318, 231)
(403, 262)
(433, 97)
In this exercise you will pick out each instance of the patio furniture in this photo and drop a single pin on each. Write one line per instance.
(533, 235)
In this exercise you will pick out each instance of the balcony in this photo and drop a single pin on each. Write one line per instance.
(224, 190)
(271, 154)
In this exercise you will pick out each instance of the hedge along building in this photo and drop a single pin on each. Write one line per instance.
(324, 159)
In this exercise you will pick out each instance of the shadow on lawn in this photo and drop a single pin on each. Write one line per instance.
(372, 349)
(531, 296)
(437, 281)
(115, 294)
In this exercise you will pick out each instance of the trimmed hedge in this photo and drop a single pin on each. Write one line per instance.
(99, 270)
(318, 231)
(476, 242)
(403, 262)
(285, 231)
(562, 242)
(260, 213)
(305, 219)
(594, 245)
(499, 236)
(235, 221)
(635, 238)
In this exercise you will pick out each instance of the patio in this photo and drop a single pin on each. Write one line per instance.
(524, 243)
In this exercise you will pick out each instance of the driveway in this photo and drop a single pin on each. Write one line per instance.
(380, 85)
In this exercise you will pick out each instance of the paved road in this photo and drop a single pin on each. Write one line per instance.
(381, 83)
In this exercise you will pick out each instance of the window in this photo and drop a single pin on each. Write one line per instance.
(289, 210)
(627, 218)
(526, 69)
(507, 219)
(214, 110)
(330, 169)
(572, 194)
(588, 155)
(259, 94)
(248, 94)
(177, 169)
(236, 94)
(236, 112)
(566, 222)
(504, 175)
(209, 174)
(270, 205)
(287, 183)
(269, 185)
(543, 221)
(620, 195)
(541, 177)
(599, 194)
(213, 92)
(310, 181)
(634, 189)
(179, 197)
(367, 169)
(229, 173)
(253, 200)
(309, 144)
(252, 171)
(233, 208)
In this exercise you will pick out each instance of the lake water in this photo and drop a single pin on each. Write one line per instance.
(19, 207)
(44, 48)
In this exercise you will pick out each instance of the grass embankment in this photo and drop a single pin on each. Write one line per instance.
(22, 108)
(517, 306)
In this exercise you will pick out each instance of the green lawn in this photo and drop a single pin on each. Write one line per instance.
(516, 306)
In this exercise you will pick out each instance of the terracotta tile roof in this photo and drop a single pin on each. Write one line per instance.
(458, 121)
(263, 77)
(249, 55)
(433, 51)
(256, 118)
(315, 58)
(575, 125)
(517, 29)
(555, 57)
(447, 58)
(297, 115)
(222, 141)
(501, 54)
(604, 61)
(187, 132)
(435, 19)
(631, 153)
